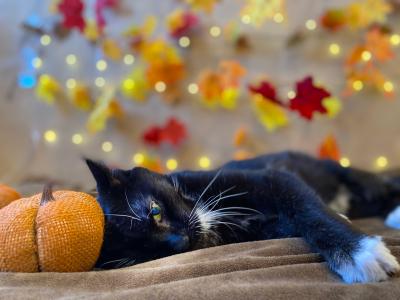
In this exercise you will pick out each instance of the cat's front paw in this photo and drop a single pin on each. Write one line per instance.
(370, 262)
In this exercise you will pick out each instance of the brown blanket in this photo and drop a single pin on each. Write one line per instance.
(274, 269)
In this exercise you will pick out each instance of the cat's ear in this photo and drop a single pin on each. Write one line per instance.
(101, 173)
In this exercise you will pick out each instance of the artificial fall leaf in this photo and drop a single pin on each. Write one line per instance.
(204, 5)
(271, 115)
(229, 98)
(72, 12)
(231, 72)
(168, 72)
(355, 55)
(210, 87)
(91, 32)
(160, 51)
(260, 11)
(105, 108)
(240, 137)
(242, 155)
(138, 35)
(48, 88)
(80, 97)
(363, 13)
(265, 89)
(135, 86)
(378, 43)
(308, 99)
(100, 6)
(333, 19)
(111, 49)
(180, 23)
(333, 106)
(173, 132)
(150, 162)
(329, 148)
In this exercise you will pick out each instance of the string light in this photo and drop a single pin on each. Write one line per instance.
(99, 81)
(70, 83)
(358, 85)
(204, 162)
(77, 139)
(101, 65)
(50, 136)
(45, 40)
(246, 19)
(344, 162)
(311, 24)
(160, 86)
(395, 39)
(334, 49)
(193, 88)
(381, 162)
(129, 59)
(278, 18)
(138, 158)
(366, 55)
(171, 164)
(70, 59)
(37, 63)
(388, 86)
(291, 94)
(107, 146)
(184, 42)
(215, 31)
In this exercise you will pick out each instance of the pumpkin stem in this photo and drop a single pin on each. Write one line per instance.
(47, 194)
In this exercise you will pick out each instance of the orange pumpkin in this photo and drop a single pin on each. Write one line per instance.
(51, 232)
(7, 195)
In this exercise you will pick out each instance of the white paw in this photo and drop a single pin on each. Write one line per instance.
(393, 219)
(372, 262)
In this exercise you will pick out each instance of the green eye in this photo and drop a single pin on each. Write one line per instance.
(155, 211)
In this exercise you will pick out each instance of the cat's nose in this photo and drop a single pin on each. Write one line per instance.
(178, 242)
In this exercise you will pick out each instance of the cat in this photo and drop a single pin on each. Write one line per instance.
(289, 194)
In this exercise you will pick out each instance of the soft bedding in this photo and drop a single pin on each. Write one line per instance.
(273, 269)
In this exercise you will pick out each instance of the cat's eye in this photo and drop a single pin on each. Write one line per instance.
(155, 211)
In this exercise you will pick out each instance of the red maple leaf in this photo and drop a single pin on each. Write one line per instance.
(265, 89)
(71, 11)
(308, 98)
(189, 22)
(173, 132)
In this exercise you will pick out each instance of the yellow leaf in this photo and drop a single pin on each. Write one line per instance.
(229, 98)
(333, 105)
(271, 115)
(135, 85)
(48, 88)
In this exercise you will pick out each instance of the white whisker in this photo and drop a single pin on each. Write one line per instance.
(125, 216)
(130, 207)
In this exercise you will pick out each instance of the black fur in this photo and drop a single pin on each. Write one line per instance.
(271, 196)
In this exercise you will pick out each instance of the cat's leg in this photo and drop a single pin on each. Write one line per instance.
(354, 255)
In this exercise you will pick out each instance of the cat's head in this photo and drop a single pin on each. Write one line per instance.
(146, 215)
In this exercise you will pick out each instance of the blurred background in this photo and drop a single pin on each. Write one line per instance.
(172, 85)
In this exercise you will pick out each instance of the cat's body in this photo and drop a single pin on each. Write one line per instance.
(151, 215)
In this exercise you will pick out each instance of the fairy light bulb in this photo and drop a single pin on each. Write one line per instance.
(345, 162)
(246, 19)
(50, 136)
(70, 83)
(204, 162)
(107, 146)
(37, 62)
(388, 86)
(193, 88)
(129, 59)
(278, 18)
(138, 158)
(99, 81)
(291, 94)
(358, 85)
(395, 39)
(366, 55)
(160, 86)
(311, 24)
(101, 65)
(215, 31)
(381, 162)
(334, 49)
(171, 164)
(70, 59)
(77, 139)
(184, 42)
(45, 40)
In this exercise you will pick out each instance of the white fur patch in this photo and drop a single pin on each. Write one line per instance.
(341, 202)
(204, 219)
(393, 219)
(345, 217)
(372, 262)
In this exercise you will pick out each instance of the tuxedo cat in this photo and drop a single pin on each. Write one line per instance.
(151, 215)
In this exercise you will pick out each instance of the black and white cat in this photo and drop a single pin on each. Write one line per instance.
(151, 215)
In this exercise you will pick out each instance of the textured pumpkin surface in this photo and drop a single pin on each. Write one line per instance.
(17, 236)
(62, 235)
(69, 232)
(7, 195)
